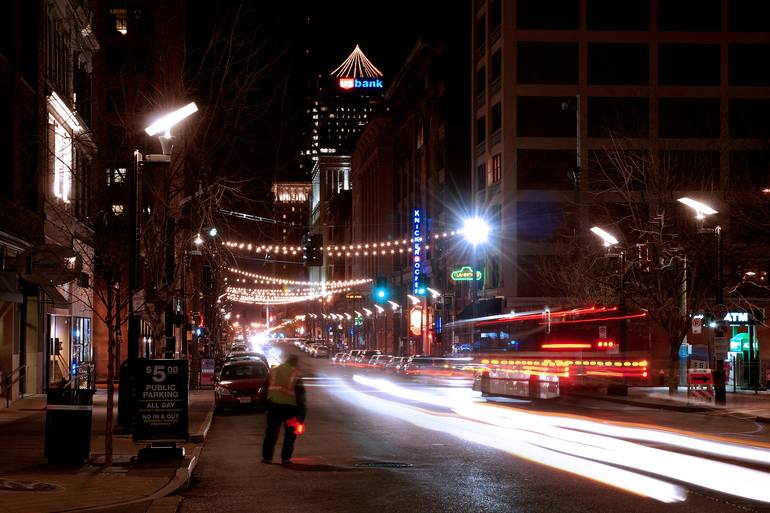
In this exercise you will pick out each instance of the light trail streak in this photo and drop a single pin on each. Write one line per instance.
(601, 443)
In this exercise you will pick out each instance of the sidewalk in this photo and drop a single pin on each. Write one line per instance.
(28, 483)
(743, 403)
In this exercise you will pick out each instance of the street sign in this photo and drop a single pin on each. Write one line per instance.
(160, 403)
(207, 371)
(697, 325)
(700, 386)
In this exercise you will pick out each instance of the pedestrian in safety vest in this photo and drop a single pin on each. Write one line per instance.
(285, 400)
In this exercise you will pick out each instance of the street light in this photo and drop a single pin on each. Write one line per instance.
(609, 241)
(395, 305)
(414, 299)
(701, 211)
(163, 124)
(475, 230)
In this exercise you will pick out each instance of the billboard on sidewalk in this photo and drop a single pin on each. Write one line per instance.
(161, 406)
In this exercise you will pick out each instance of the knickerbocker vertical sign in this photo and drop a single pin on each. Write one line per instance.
(160, 404)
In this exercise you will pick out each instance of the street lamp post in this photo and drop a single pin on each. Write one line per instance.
(610, 241)
(476, 232)
(701, 211)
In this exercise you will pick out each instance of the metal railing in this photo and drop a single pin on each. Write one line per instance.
(8, 381)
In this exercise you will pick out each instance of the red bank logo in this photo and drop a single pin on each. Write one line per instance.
(347, 83)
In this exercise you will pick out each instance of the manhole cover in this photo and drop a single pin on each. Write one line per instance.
(384, 464)
(26, 486)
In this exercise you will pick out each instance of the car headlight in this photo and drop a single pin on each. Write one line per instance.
(222, 390)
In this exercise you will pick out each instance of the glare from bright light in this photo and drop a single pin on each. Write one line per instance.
(379, 308)
(582, 446)
(701, 209)
(434, 292)
(368, 312)
(213, 232)
(198, 240)
(395, 305)
(475, 230)
(165, 123)
(607, 238)
(413, 299)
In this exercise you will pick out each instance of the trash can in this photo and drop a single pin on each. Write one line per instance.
(68, 425)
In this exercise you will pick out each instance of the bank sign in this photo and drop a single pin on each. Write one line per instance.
(357, 83)
(416, 249)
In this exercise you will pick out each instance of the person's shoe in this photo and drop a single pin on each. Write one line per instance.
(267, 461)
(286, 462)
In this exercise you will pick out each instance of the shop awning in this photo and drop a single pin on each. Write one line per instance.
(483, 308)
(57, 299)
(9, 288)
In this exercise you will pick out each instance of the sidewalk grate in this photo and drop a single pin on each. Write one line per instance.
(384, 464)
(27, 486)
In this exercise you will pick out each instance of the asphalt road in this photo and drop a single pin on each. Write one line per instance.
(393, 446)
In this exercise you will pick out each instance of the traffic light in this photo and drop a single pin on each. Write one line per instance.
(381, 290)
(311, 249)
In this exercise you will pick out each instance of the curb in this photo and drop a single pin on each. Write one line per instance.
(181, 477)
(200, 437)
(659, 406)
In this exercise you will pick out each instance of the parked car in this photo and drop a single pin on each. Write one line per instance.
(379, 361)
(321, 352)
(364, 356)
(238, 346)
(394, 364)
(241, 383)
(337, 358)
(246, 355)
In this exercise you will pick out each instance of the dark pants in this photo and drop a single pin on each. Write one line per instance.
(278, 414)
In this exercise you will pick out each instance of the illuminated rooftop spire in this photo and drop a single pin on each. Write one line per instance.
(357, 66)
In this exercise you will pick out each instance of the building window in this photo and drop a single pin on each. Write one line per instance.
(618, 117)
(481, 129)
(481, 80)
(117, 209)
(562, 59)
(62, 160)
(495, 14)
(688, 64)
(548, 14)
(545, 116)
(544, 169)
(696, 118)
(481, 176)
(119, 20)
(630, 64)
(116, 175)
(481, 32)
(496, 172)
(497, 117)
(748, 16)
(690, 15)
(497, 64)
(749, 118)
(614, 15)
(744, 67)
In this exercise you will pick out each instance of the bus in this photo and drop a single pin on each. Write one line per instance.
(536, 353)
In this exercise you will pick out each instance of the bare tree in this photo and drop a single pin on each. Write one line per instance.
(632, 191)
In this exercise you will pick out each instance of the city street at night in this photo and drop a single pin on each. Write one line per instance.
(375, 443)
(408, 256)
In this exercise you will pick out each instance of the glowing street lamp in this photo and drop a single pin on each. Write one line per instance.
(165, 123)
(395, 305)
(198, 240)
(607, 238)
(379, 308)
(475, 230)
(368, 312)
(701, 209)
(414, 299)
(433, 292)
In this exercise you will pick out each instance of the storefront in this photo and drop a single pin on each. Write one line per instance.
(738, 334)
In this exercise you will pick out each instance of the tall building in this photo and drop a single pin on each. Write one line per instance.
(291, 210)
(344, 102)
(556, 82)
(47, 142)
(140, 72)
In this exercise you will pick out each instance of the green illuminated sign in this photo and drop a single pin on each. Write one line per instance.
(465, 273)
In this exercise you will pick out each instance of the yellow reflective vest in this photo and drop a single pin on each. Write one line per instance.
(281, 385)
